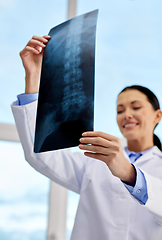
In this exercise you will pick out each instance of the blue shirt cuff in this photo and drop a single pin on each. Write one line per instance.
(139, 191)
(24, 99)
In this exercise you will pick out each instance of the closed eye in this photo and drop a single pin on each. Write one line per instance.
(136, 108)
(118, 112)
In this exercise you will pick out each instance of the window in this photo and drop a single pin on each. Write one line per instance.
(23, 198)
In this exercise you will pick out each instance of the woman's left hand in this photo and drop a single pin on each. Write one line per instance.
(107, 148)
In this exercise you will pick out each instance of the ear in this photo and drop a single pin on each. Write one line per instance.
(158, 116)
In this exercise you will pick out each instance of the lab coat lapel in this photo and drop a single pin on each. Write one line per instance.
(154, 151)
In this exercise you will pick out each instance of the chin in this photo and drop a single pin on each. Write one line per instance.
(130, 136)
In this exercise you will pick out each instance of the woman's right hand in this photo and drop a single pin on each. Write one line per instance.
(31, 57)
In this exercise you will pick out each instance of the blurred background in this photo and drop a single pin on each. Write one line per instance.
(128, 51)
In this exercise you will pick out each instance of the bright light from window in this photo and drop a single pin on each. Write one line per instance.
(23, 196)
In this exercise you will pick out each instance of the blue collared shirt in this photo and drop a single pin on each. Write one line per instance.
(24, 99)
(139, 191)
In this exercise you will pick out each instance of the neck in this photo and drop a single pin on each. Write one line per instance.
(139, 145)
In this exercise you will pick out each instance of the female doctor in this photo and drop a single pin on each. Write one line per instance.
(120, 189)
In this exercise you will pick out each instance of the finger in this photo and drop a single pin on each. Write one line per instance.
(43, 39)
(93, 148)
(96, 156)
(99, 134)
(47, 36)
(28, 49)
(96, 141)
(35, 43)
(38, 48)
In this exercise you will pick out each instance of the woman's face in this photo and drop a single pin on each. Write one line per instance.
(136, 117)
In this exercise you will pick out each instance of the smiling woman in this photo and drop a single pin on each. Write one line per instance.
(138, 113)
(135, 170)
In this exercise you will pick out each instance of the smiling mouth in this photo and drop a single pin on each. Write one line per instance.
(130, 125)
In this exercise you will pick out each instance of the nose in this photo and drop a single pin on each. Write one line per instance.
(128, 115)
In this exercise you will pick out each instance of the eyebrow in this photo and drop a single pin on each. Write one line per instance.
(121, 105)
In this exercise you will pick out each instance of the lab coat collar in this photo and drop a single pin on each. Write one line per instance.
(154, 151)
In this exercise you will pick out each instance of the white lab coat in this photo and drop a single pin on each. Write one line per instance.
(106, 210)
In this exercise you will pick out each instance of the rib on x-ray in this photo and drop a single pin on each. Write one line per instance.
(66, 94)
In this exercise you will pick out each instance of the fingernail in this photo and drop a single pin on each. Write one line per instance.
(84, 134)
(81, 139)
(81, 146)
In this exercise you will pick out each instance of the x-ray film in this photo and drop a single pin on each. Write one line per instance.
(66, 94)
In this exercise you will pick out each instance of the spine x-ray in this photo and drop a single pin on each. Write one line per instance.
(66, 94)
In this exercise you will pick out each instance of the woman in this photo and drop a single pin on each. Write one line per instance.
(121, 191)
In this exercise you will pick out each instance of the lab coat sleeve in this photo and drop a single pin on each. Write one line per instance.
(154, 202)
(61, 166)
(139, 191)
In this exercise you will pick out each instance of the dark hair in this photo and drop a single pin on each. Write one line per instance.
(154, 102)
